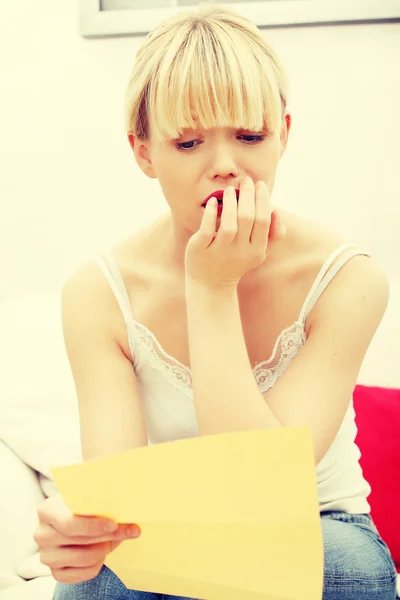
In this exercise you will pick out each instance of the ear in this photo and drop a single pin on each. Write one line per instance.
(285, 130)
(141, 150)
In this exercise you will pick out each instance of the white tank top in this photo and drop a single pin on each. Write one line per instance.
(165, 386)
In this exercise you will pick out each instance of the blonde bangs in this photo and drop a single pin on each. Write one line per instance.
(206, 73)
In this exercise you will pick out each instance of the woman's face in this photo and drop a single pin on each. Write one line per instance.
(202, 161)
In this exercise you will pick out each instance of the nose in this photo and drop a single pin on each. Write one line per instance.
(223, 163)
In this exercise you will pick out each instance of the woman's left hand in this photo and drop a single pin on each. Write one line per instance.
(218, 259)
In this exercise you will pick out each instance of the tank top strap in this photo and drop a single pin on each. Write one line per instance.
(325, 276)
(113, 275)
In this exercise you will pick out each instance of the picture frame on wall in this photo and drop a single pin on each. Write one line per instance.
(105, 18)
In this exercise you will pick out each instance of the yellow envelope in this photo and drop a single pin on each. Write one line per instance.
(232, 516)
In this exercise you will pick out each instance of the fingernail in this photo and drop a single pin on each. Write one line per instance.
(133, 531)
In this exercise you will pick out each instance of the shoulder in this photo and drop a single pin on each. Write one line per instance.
(307, 245)
(88, 302)
(310, 245)
(87, 285)
(299, 257)
(88, 299)
(89, 280)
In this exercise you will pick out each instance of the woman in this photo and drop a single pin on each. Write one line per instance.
(220, 311)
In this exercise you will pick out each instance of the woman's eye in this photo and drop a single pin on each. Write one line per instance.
(249, 139)
(253, 138)
(184, 145)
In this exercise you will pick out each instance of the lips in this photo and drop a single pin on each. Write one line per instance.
(219, 194)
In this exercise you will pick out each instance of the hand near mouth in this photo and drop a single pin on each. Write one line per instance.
(220, 258)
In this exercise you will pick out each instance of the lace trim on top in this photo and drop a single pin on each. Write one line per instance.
(179, 375)
(266, 372)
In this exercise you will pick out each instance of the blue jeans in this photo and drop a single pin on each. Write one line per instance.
(357, 566)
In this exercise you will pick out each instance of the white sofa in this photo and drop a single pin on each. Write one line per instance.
(39, 425)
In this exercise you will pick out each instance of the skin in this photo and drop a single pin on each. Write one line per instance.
(74, 547)
(212, 160)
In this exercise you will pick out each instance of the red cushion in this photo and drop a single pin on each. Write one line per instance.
(378, 422)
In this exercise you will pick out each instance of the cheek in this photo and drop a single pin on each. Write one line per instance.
(173, 182)
(175, 177)
(271, 183)
(267, 164)
(169, 165)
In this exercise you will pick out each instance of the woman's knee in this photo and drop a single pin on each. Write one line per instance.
(357, 563)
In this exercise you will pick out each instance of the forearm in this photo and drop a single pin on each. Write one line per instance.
(225, 391)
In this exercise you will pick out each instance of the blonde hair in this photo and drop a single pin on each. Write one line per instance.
(212, 64)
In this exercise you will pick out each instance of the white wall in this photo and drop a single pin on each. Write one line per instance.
(69, 186)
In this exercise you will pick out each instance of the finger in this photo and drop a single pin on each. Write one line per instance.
(262, 222)
(54, 512)
(246, 214)
(48, 537)
(73, 575)
(274, 226)
(75, 556)
(208, 224)
(229, 217)
(277, 229)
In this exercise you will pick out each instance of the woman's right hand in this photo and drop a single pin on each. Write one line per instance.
(73, 546)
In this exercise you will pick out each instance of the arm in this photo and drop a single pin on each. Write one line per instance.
(111, 417)
(226, 394)
(316, 388)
